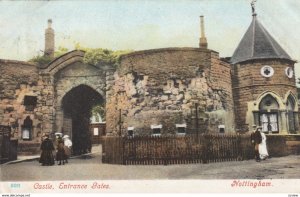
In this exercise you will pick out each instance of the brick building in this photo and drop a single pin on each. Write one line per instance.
(263, 83)
(154, 92)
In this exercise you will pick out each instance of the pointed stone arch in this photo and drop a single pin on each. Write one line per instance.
(63, 61)
(76, 108)
(291, 112)
(290, 96)
(272, 94)
(269, 113)
(68, 72)
(75, 85)
(280, 116)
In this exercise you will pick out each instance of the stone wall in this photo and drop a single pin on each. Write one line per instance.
(163, 86)
(19, 79)
(72, 76)
(248, 85)
(46, 98)
(48, 84)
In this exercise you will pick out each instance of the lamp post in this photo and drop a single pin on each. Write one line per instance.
(120, 122)
(120, 104)
(197, 118)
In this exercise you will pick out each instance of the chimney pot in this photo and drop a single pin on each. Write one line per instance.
(49, 40)
(203, 41)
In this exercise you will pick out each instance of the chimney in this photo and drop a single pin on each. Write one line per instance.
(49, 40)
(203, 41)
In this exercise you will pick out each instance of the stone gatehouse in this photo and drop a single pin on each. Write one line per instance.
(154, 92)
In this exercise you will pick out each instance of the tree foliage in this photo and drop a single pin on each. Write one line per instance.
(43, 60)
(97, 56)
(99, 109)
(100, 56)
(61, 50)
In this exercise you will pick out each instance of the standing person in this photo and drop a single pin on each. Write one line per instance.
(60, 153)
(253, 128)
(256, 140)
(67, 146)
(262, 148)
(47, 147)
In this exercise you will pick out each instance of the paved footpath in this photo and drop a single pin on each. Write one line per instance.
(90, 167)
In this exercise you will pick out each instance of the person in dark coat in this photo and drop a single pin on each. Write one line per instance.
(256, 139)
(47, 158)
(60, 154)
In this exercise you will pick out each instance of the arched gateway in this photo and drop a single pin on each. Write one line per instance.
(77, 87)
(76, 107)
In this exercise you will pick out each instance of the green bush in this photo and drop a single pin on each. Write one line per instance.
(97, 56)
(104, 57)
(42, 60)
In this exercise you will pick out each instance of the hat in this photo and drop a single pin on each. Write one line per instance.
(59, 134)
(65, 136)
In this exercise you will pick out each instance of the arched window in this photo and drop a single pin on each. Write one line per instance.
(27, 129)
(290, 103)
(268, 114)
(290, 108)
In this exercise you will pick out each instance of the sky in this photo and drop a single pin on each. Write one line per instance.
(143, 24)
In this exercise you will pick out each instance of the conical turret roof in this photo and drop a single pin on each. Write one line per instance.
(257, 43)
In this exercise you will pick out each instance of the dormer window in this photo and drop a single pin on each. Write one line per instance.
(181, 129)
(156, 130)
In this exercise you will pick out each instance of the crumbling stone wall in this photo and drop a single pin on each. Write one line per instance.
(19, 79)
(163, 86)
(46, 99)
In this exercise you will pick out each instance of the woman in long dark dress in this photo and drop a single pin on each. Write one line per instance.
(47, 147)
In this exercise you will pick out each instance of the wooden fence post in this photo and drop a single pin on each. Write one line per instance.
(239, 147)
(205, 149)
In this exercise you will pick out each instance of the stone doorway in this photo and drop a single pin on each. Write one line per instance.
(77, 105)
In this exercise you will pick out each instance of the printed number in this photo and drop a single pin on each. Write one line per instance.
(15, 185)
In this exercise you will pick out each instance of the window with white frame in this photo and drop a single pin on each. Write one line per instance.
(267, 71)
(181, 129)
(221, 128)
(289, 72)
(156, 130)
(268, 117)
(130, 132)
